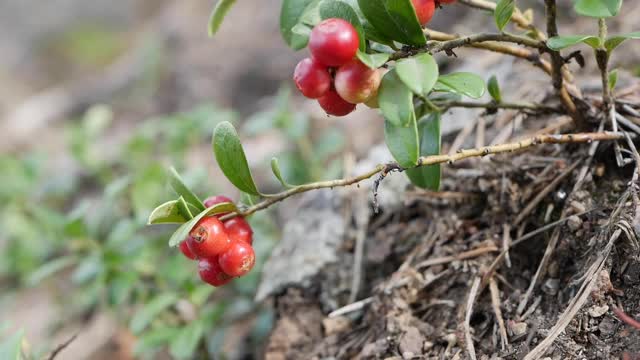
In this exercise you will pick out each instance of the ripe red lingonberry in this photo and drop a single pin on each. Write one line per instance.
(355, 82)
(238, 260)
(312, 78)
(184, 247)
(333, 104)
(424, 10)
(239, 229)
(211, 272)
(215, 200)
(208, 238)
(333, 42)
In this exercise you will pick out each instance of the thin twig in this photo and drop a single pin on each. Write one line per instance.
(495, 302)
(473, 294)
(462, 256)
(492, 105)
(61, 347)
(432, 160)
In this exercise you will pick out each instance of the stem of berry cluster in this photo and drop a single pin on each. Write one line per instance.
(432, 160)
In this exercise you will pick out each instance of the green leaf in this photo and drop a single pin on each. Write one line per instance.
(419, 73)
(182, 232)
(462, 83)
(394, 19)
(338, 9)
(154, 338)
(184, 345)
(291, 14)
(373, 61)
(428, 177)
(218, 14)
(275, 168)
(613, 79)
(172, 212)
(597, 8)
(231, 158)
(183, 190)
(49, 269)
(11, 347)
(148, 313)
(396, 100)
(402, 142)
(494, 89)
(503, 12)
(562, 42)
(614, 41)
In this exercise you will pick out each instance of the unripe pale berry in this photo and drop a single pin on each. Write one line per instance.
(239, 229)
(238, 260)
(424, 10)
(333, 104)
(355, 82)
(312, 78)
(184, 247)
(333, 42)
(208, 238)
(211, 272)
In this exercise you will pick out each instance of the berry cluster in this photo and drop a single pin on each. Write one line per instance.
(223, 249)
(333, 74)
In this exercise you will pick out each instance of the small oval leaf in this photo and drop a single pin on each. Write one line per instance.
(181, 233)
(428, 177)
(218, 14)
(503, 13)
(462, 83)
(275, 168)
(419, 73)
(597, 8)
(373, 61)
(562, 42)
(396, 100)
(231, 158)
(292, 14)
(167, 213)
(494, 89)
(394, 19)
(183, 190)
(402, 142)
(613, 79)
(614, 41)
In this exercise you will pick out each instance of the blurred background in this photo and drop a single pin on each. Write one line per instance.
(97, 100)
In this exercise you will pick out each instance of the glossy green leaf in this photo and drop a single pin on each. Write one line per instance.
(503, 12)
(11, 347)
(231, 158)
(597, 8)
(494, 89)
(428, 177)
(338, 9)
(143, 317)
(402, 142)
(182, 232)
(291, 14)
(419, 73)
(171, 212)
(183, 190)
(613, 79)
(396, 100)
(275, 168)
(373, 61)
(218, 14)
(614, 41)
(562, 42)
(184, 345)
(462, 83)
(394, 19)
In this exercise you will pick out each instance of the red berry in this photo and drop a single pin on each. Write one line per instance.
(211, 272)
(239, 229)
(208, 238)
(215, 200)
(238, 260)
(446, 1)
(424, 10)
(355, 82)
(184, 247)
(333, 42)
(333, 104)
(312, 78)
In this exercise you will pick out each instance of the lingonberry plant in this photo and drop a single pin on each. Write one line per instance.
(379, 53)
